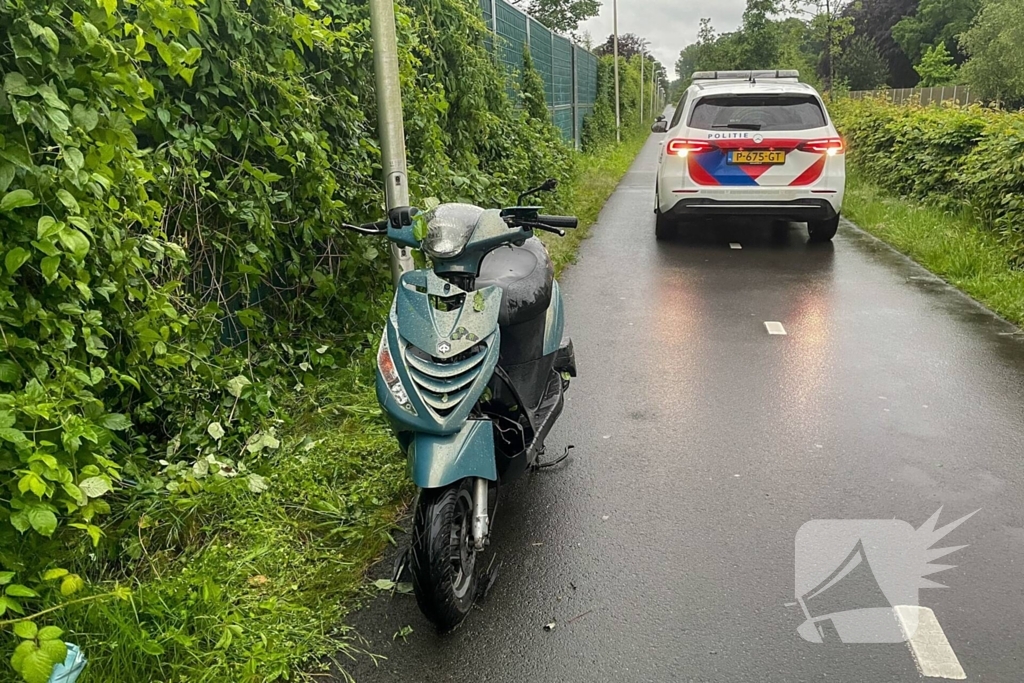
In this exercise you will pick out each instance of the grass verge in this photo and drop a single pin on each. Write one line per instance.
(953, 246)
(232, 585)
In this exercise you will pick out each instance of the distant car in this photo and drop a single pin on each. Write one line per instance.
(751, 143)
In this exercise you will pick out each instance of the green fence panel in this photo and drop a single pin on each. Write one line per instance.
(511, 25)
(561, 59)
(586, 86)
(569, 72)
(485, 9)
(561, 66)
(540, 49)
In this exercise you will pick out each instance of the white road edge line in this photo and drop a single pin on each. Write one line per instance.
(774, 327)
(932, 653)
(735, 245)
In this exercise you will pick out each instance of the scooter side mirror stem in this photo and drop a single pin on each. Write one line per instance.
(547, 186)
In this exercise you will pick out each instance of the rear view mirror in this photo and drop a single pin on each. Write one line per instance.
(660, 126)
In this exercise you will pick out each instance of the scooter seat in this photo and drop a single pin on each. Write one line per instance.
(525, 275)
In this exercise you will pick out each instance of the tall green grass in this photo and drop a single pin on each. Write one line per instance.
(953, 245)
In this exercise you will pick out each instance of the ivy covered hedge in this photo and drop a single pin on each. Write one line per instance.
(599, 127)
(172, 175)
(953, 157)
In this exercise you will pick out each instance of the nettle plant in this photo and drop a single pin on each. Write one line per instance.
(81, 241)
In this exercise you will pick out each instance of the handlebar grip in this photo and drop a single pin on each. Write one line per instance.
(569, 222)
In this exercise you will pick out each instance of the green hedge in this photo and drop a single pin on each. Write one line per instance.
(953, 157)
(599, 127)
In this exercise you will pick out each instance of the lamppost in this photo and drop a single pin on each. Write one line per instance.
(391, 128)
(615, 52)
(643, 58)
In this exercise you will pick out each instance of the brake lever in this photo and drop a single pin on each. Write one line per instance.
(541, 226)
(548, 228)
(378, 228)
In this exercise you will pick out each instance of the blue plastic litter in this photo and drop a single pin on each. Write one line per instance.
(71, 668)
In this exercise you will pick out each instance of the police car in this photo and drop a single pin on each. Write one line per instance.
(751, 143)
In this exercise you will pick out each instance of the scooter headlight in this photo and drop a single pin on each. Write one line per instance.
(386, 365)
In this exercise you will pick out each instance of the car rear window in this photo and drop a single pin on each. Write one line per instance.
(757, 112)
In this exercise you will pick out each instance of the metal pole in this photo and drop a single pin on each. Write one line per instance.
(575, 96)
(615, 52)
(390, 127)
(641, 87)
(654, 74)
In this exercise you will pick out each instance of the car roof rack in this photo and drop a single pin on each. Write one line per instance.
(790, 75)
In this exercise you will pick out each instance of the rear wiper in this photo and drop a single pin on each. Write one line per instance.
(739, 126)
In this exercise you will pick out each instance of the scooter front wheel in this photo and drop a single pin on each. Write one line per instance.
(443, 559)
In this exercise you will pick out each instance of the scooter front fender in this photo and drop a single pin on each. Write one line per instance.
(437, 460)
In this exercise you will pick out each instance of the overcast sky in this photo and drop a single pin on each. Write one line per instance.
(669, 25)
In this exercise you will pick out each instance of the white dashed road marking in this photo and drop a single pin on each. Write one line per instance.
(735, 245)
(774, 327)
(932, 653)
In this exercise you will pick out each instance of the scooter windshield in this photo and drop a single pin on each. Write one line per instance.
(449, 228)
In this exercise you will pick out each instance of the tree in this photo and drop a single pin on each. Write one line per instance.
(564, 16)
(759, 36)
(831, 26)
(936, 67)
(799, 50)
(936, 21)
(874, 19)
(995, 61)
(630, 44)
(862, 66)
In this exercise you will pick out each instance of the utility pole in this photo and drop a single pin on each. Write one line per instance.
(828, 47)
(390, 126)
(654, 88)
(615, 51)
(642, 59)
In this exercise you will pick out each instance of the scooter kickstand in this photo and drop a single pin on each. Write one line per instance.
(559, 459)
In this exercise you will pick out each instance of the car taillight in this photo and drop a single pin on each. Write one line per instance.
(682, 147)
(830, 146)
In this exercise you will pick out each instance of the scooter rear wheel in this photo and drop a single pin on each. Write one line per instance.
(443, 560)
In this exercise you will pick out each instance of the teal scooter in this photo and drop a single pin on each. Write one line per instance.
(471, 374)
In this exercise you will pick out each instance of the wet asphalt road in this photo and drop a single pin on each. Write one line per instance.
(664, 550)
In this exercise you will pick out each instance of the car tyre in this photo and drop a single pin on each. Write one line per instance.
(823, 231)
(664, 226)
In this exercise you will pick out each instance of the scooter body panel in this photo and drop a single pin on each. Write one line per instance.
(437, 460)
(554, 321)
(443, 357)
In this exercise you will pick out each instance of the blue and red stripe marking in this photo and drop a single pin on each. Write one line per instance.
(713, 167)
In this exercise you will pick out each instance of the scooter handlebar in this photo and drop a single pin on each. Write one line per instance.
(568, 222)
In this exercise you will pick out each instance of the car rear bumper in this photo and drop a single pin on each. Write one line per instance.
(810, 209)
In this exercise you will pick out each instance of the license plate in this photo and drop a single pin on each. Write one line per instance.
(757, 157)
